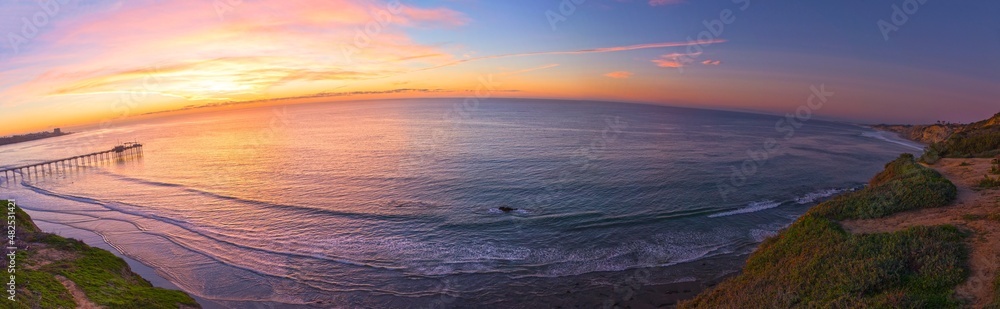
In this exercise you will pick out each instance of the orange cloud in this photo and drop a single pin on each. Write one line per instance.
(619, 74)
(547, 66)
(196, 52)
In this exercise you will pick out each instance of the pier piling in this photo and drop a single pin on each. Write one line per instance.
(120, 151)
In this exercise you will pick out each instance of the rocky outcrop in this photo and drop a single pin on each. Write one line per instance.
(935, 133)
(921, 133)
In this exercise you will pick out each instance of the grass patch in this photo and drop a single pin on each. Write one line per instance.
(977, 217)
(903, 185)
(965, 164)
(815, 263)
(972, 217)
(989, 182)
(108, 281)
(105, 278)
(41, 290)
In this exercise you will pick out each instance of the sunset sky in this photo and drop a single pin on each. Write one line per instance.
(71, 62)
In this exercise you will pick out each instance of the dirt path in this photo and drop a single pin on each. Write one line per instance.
(975, 210)
(82, 302)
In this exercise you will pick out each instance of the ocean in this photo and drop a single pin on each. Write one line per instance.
(443, 202)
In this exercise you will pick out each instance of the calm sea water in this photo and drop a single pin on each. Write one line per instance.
(396, 203)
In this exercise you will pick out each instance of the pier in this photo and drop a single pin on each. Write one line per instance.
(118, 152)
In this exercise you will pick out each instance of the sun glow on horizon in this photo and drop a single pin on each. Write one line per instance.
(104, 59)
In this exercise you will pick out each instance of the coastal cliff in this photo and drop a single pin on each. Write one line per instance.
(910, 239)
(936, 133)
(921, 133)
(50, 271)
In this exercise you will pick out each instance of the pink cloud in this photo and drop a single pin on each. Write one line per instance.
(619, 74)
(675, 60)
(664, 2)
(251, 47)
(711, 62)
(436, 16)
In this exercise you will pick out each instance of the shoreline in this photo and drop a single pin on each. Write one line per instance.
(804, 265)
(145, 271)
(53, 271)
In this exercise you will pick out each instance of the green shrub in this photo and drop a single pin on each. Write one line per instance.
(816, 264)
(980, 140)
(903, 185)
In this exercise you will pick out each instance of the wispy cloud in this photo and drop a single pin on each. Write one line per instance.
(675, 60)
(711, 62)
(585, 51)
(664, 2)
(259, 45)
(547, 66)
(619, 74)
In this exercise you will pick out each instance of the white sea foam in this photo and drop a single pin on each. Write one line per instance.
(759, 235)
(818, 195)
(892, 138)
(752, 207)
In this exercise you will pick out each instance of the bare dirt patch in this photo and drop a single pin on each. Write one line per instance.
(45, 255)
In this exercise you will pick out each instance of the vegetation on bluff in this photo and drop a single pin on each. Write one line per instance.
(902, 185)
(991, 182)
(51, 260)
(980, 140)
(815, 263)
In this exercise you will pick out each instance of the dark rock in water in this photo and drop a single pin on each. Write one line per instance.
(506, 209)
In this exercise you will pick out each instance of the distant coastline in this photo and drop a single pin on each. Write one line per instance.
(14, 139)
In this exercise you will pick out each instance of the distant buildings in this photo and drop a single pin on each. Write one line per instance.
(4, 140)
